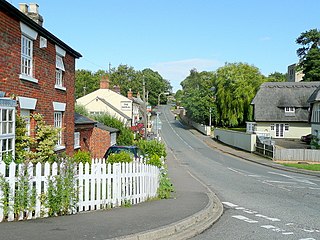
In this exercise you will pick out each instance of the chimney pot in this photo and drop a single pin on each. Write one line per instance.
(130, 96)
(23, 7)
(104, 82)
(34, 8)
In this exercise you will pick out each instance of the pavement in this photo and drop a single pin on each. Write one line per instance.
(189, 212)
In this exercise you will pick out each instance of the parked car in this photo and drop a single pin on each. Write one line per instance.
(134, 150)
(307, 138)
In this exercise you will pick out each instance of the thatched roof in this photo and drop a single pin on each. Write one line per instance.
(273, 97)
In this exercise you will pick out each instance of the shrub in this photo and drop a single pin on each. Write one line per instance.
(155, 160)
(165, 186)
(153, 147)
(82, 156)
(120, 157)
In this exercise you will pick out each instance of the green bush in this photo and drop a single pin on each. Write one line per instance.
(120, 157)
(165, 186)
(155, 160)
(125, 136)
(82, 156)
(153, 147)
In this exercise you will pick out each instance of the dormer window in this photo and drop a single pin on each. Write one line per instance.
(289, 109)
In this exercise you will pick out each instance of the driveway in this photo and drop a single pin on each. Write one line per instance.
(290, 143)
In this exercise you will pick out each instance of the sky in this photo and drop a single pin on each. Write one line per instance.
(174, 36)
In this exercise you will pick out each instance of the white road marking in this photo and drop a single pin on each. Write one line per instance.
(308, 230)
(243, 218)
(287, 233)
(304, 180)
(177, 133)
(307, 239)
(249, 211)
(268, 218)
(230, 204)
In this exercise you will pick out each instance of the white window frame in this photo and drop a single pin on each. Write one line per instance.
(58, 117)
(272, 127)
(289, 110)
(77, 140)
(60, 69)
(286, 127)
(7, 131)
(28, 35)
(26, 56)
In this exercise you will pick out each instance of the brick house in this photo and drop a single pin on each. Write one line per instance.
(93, 136)
(37, 70)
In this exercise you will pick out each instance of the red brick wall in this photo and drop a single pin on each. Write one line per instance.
(99, 142)
(44, 70)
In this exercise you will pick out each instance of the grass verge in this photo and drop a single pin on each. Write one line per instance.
(312, 167)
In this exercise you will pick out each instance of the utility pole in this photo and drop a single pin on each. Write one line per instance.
(145, 121)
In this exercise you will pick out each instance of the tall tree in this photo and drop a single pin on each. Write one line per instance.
(87, 81)
(236, 84)
(277, 77)
(309, 54)
(198, 96)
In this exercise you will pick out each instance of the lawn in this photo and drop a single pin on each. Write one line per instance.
(313, 167)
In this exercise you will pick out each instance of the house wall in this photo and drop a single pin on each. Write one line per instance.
(44, 68)
(100, 141)
(116, 100)
(237, 139)
(296, 130)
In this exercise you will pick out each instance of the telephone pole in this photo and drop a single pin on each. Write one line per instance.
(145, 122)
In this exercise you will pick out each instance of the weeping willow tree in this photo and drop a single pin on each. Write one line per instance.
(236, 86)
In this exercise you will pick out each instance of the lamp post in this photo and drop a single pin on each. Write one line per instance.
(165, 93)
(213, 89)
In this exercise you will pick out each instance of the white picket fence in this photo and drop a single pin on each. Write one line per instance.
(99, 185)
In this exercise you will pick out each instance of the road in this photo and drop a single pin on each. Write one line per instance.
(259, 202)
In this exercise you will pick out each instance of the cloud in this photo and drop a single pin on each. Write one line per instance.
(177, 71)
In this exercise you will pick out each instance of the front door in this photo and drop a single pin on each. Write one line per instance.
(279, 130)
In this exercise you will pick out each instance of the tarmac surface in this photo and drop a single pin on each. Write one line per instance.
(189, 212)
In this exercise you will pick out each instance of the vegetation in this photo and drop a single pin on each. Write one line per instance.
(309, 54)
(126, 78)
(81, 156)
(227, 92)
(121, 157)
(61, 196)
(125, 136)
(312, 167)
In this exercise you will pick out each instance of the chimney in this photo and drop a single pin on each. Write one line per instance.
(104, 82)
(23, 7)
(32, 11)
(130, 96)
(116, 89)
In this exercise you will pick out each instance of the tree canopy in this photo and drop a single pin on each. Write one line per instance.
(309, 54)
(227, 93)
(126, 78)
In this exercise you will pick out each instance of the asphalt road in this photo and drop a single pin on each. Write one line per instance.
(259, 202)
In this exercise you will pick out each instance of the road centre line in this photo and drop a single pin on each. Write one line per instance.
(243, 218)
(177, 133)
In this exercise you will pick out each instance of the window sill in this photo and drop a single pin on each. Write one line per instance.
(60, 87)
(58, 148)
(28, 78)
(77, 147)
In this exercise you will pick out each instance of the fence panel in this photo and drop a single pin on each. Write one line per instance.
(99, 185)
(309, 155)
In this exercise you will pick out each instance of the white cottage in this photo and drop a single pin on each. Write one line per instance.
(105, 100)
